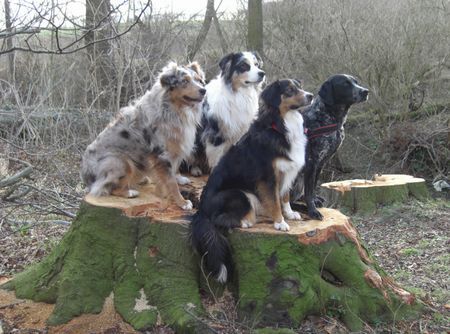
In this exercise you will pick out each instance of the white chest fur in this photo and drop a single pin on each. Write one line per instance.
(297, 138)
(193, 115)
(235, 111)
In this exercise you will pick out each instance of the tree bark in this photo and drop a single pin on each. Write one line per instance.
(365, 195)
(209, 14)
(98, 26)
(136, 250)
(255, 26)
(9, 43)
(223, 41)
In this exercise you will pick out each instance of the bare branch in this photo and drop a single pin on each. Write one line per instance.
(69, 48)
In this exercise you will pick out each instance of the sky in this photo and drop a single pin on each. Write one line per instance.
(195, 6)
(75, 8)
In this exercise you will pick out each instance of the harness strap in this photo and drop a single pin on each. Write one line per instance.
(321, 131)
(274, 127)
(317, 132)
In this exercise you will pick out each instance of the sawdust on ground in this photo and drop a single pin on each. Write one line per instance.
(24, 314)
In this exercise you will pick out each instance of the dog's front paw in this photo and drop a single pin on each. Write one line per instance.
(245, 223)
(315, 214)
(131, 193)
(182, 180)
(293, 215)
(187, 205)
(281, 226)
(196, 171)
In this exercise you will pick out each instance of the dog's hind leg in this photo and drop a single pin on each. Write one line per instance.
(163, 175)
(232, 208)
(115, 175)
(255, 208)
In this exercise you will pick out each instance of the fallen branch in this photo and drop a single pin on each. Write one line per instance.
(6, 182)
(12, 304)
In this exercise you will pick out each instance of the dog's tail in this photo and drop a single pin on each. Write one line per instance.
(212, 246)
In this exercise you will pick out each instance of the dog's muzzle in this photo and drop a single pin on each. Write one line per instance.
(364, 94)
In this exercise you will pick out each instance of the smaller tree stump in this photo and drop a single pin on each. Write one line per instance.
(364, 195)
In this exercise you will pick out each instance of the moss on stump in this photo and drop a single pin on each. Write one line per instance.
(141, 253)
(365, 195)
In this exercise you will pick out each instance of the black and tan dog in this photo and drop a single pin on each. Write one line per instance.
(149, 138)
(254, 177)
(324, 120)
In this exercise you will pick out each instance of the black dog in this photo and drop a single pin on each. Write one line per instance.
(324, 120)
(254, 177)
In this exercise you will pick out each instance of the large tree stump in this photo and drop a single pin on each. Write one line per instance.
(141, 253)
(366, 195)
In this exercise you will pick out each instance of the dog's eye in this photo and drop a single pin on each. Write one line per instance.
(184, 81)
(200, 81)
(244, 67)
(290, 91)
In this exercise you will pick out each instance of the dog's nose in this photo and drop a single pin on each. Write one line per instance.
(261, 74)
(202, 91)
(309, 97)
(364, 93)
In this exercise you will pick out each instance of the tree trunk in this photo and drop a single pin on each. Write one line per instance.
(209, 14)
(365, 195)
(142, 254)
(255, 26)
(9, 43)
(222, 40)
(98, 26)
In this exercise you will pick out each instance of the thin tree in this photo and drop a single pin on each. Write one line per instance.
(194, 48)
(99, 27)
(255, 26)
(9, 41)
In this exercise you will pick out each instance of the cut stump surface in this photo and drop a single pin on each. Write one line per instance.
(139, 251)
(365, 195)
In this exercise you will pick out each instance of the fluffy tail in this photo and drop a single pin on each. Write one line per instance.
(213, 246)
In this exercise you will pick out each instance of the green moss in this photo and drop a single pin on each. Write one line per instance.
(418, 190)
(165, 260)
(390, 194)
(410, 251)
(364, 199)
(282, 281)
(97, 257)
(277, 280)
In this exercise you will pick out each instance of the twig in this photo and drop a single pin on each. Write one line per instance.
(200, 320)
(12, 304)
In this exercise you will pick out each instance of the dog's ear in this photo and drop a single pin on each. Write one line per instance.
(194, 66)
(326, 92)
(271, 95)
(168, 80)
(258, 58)
(298, 83)
(225, 62)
